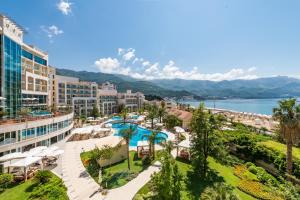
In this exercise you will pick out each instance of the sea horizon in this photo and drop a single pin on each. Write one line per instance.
(258, 106)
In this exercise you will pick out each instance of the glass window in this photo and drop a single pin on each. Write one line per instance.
(26, 54)
(40, 60)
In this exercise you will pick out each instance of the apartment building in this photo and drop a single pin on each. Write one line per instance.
(132, 101)
(108, 98)
(26, 81)
(81, 95)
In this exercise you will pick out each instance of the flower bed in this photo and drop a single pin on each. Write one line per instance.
(258, 190)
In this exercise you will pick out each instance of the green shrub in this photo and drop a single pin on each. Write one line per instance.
(252, 169)
(5, 180)
(53, 189)
(250, 176)
(43, 176)
(57, 193)
(249, 164)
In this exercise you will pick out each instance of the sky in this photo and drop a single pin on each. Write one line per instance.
(149, 39)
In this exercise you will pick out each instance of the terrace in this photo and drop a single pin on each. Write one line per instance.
(34, 117)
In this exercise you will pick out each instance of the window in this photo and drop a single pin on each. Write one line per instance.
(26, 54)
(40, 60)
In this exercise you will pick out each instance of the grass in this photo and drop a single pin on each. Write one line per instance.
(18, 192)
(117, 174)
(279, 147)
(23, 190)
(192, 188)
(227, 173)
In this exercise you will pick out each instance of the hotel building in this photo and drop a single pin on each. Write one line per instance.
(108, 99)
(70, 92)
(26, 81)
(132, 101)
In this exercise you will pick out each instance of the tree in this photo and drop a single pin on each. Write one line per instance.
(107, 152)
(161, 113)
(162, 104)
(169, 146)
(219, 191)
(167, 183)
(152, 138)
(124, 114)
(171, 121)
(24, 112)
(152, 114)
(2, 113)
(288, 115)
(95, 112)
(127, 134)
(205, 141)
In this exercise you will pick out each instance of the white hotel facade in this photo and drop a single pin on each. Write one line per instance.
(27, 81)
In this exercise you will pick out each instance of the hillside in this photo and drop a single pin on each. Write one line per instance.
(124, 83)
(272, 87)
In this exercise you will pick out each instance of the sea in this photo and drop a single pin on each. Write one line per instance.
(258, 106)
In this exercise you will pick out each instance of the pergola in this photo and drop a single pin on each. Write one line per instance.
(142, 148)
(184, 149)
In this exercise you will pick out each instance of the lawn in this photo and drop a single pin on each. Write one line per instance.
(22, 191)
(193, 189)
(118, 174)
(279, 147)
(18, 192)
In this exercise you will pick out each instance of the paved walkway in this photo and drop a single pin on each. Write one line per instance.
(81, 186)
(128, 191)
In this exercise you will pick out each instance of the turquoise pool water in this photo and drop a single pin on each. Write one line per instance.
(134, 116)
(115, 118)
(138, 136)
(40, 113)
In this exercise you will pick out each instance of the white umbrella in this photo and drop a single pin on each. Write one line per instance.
(57, 153)
(36, 150)
(25, 162)
(12, 156)
(53, 148)
(179, 129)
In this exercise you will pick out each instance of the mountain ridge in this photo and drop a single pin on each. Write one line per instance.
(267, 87)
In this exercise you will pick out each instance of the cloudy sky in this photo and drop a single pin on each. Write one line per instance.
(148, 39)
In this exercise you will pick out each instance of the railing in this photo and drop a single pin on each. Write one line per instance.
(32, 118)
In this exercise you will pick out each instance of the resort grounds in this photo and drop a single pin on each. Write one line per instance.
(254, 166)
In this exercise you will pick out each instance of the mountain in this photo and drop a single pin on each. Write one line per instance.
(271, 87)
(124, 83)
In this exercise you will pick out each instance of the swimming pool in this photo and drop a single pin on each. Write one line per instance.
(40, 113)
(115, 118)
(138, 136)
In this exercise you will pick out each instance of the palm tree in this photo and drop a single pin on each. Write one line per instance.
(161, 113)
(168, 145)
(127, 134)
(124, 114)
(152, 138)
(152, 114)
(288, 115)
(162, 104)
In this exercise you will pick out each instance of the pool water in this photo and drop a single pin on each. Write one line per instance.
(115, 118)
(40, 113)
(138, 136)
(134, 116)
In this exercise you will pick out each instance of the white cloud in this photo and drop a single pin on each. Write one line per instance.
(128, 54)
(142, 69)
(146, 63)
(111, 66)
(52, 31)
(65, 7)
